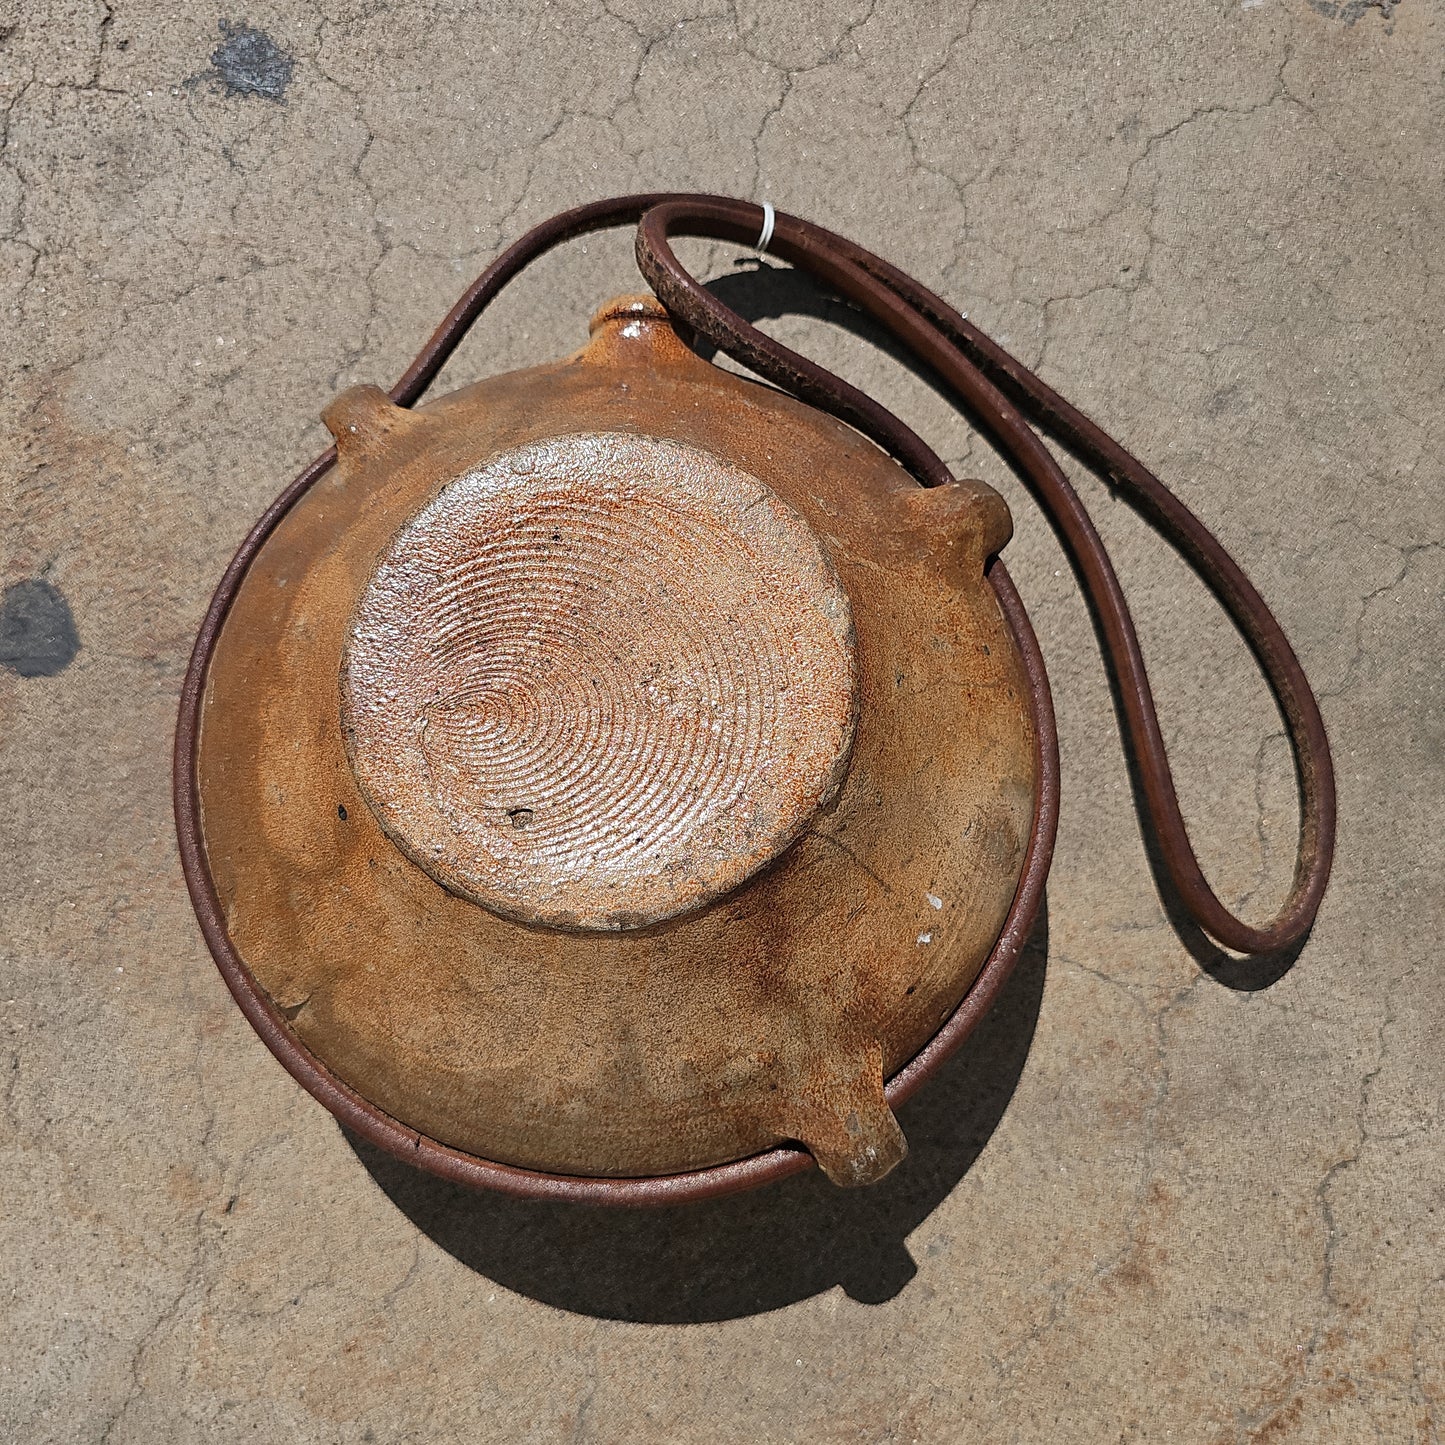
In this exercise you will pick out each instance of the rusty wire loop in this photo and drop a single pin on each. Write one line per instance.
(997, 388)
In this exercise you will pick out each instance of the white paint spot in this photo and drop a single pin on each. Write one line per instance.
(925, 938)
(934, 901)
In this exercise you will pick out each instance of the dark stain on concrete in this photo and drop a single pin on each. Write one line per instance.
(1351, 10)
(37, 629)
(249, 62)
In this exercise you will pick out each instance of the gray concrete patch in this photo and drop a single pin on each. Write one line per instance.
(249, 62)
(37, 631)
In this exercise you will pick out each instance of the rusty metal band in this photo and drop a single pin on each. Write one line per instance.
(363, 1118)
(887, 295)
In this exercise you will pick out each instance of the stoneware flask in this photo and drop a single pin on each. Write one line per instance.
(621, 780)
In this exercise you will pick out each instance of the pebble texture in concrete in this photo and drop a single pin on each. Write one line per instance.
(1162, 1195)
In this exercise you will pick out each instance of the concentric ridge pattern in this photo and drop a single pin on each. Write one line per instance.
(599, 680)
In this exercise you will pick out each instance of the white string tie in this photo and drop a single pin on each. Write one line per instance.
(767, 231)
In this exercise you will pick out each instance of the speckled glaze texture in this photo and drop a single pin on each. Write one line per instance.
(598, 681)
(773, 1012)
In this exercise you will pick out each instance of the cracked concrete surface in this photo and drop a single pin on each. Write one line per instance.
(1153, 1200)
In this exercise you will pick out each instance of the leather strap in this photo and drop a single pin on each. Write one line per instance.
(997, 390)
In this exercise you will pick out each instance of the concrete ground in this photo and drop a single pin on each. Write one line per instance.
(1160, 1196)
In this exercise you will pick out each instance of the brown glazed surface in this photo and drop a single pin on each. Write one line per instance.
(773, 1012)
